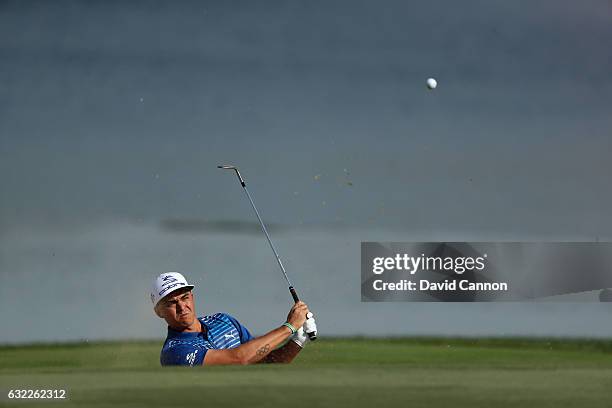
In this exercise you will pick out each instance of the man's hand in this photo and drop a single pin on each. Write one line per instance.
(300, 337)
(297, 314)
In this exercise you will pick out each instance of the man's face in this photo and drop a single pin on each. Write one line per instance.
(177, 309)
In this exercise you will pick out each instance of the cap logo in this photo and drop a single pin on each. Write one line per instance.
(167, 288)
(168, 279)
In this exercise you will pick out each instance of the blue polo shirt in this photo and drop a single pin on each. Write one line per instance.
(219, 331)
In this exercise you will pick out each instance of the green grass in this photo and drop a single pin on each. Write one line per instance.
(338, 372)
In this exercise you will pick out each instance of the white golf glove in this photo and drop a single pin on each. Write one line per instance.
(300, 337)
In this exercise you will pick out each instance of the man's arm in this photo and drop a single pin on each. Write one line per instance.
(289, 351)
(251, 352)
(257, 349)
(284, 354)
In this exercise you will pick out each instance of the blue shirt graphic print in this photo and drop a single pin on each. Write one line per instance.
(219, 331)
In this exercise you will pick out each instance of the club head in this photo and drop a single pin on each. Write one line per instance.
(230, 167)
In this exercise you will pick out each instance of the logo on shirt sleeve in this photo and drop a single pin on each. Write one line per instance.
(190, 358)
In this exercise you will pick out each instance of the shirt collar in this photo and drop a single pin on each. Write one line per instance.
(175, 333)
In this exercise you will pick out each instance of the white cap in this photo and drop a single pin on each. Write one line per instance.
(167, 283)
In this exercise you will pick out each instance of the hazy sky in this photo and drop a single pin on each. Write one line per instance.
(108, 109)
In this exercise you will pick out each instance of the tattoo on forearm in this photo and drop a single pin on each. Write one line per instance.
(263, 350)
(284, 354)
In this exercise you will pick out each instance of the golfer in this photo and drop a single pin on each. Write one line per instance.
(219, 338)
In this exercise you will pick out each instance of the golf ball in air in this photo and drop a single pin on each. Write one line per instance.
(431, 83)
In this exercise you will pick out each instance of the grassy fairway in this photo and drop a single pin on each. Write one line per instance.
(342, 372)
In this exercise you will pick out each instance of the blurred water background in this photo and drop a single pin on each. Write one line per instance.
(114, 115)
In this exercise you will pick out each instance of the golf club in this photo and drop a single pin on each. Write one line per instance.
(311, 335)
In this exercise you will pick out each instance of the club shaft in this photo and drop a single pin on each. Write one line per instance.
(263, 227)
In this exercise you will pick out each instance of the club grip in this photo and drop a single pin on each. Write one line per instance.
(294, 294)
(312, 335)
